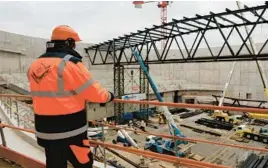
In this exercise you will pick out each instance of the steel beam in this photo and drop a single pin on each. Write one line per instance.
(177, 29)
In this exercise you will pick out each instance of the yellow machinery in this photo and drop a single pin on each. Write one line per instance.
(257, 116)
(225, 117)
(244, 131)
(162, 118)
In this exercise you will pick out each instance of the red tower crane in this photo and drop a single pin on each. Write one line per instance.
(163, 6)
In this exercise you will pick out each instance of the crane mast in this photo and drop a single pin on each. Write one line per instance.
(163, 15)
(163, 5)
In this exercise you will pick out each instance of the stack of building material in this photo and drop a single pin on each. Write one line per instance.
(254, 160)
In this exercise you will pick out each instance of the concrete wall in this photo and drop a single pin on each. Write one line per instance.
(17, 52)
(245, 80)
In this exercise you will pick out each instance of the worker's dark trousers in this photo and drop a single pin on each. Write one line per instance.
(57, 155)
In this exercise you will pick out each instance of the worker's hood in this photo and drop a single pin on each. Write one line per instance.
(59, 47)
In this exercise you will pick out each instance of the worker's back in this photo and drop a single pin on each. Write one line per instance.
(60, 85)
(46, 78)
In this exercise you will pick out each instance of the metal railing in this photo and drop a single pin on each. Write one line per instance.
(18, 112)
(172, 159)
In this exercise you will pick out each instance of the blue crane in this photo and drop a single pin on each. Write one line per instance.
(173, 129)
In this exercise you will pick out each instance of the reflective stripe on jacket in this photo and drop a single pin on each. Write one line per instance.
(60, 85)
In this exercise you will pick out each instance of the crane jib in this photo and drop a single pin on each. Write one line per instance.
(172, 126)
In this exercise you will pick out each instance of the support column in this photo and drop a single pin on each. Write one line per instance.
(144, 88)
(118, 91)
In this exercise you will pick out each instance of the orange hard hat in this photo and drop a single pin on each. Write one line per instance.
(64, 32)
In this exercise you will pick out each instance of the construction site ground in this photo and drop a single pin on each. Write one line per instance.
(228, 156)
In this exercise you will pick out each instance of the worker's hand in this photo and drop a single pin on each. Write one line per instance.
(112, 97)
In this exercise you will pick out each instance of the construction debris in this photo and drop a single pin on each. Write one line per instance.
(255, 161)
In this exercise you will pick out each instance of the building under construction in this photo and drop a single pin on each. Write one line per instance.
(184, 104)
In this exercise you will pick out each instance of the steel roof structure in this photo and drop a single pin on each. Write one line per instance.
(177, 30)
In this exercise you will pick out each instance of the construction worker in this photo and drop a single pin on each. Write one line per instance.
(60, 85)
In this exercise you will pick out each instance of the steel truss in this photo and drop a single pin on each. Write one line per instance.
(177, 31)
(119, 50)
(238, 102)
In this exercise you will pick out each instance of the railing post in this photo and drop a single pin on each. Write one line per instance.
(6, 105)
(176, 147)
(103, 140)
(17, 112)
(2, 136)
(10, 110)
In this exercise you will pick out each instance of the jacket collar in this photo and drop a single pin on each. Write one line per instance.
(59, 48)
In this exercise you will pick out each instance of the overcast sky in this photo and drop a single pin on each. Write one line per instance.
(97, 21)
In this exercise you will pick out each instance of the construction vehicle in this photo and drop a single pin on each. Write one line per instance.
(173, 129)
(161, 118)
(256, 119)
(226, 117)
(125, 139)
(243, 131)
(159, 145)
(256, 116)
(220, 115)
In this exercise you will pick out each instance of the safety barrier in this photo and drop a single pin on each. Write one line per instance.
(170, 104)
(192, 140)
(19, 113)
(171, 159)
(168, 136)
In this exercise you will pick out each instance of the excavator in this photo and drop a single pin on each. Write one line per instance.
(167, 146)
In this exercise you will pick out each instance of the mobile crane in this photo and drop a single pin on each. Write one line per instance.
(220, 115)
(244, 131)
(173, 129)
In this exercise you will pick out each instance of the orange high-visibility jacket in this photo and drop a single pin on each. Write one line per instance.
(60, 85)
